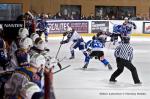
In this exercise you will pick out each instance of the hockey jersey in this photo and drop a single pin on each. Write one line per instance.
(22, 57)
(74, 37)
(121, 29)
(95, 45)
(129, 26)
(19, 78)
(42, 26)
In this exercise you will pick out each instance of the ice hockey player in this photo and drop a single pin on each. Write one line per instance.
(42, 25)
(4, 61)
(102, 37)
(77, 40)
(95, 49)
(129, 24)
(39, 48)
(34, 36)
(116, 32)
(14, 87)
(121, 31)
(22, 54)
(127, 27)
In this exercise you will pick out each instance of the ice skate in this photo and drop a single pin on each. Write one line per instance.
(85, 66)
(72, 57)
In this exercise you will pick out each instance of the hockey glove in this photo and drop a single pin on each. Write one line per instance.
(89, 50)
(62, 42)
(135, 27)
(64, 34)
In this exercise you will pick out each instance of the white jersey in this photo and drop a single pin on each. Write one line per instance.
(73, 36)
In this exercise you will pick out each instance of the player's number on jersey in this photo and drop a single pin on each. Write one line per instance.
(97, 44)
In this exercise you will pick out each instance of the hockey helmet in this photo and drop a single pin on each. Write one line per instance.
(23, 32)
(126, 39)
(29, 89)
(69, 29)
(34, 36)
(39, 44)
(26, 43)
(94, 38)
(126, 18)
(37, 60)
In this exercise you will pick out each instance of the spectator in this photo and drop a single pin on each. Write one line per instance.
(91, 17)
(83, 17)
(113, 17)
(129, 16)
(50, 16)
(107, 17)
(59, 16)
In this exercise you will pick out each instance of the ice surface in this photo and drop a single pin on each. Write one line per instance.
(93, 83)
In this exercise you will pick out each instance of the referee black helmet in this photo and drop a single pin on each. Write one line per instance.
(126, 39)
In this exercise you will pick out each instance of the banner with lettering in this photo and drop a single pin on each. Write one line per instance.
(61, 26)
(11, 28)
(96, 26)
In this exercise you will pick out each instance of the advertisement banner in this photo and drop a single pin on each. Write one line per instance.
(146, 27)
(60, 27)
(11, 28)
(96, 26)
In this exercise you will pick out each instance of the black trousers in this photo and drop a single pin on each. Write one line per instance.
(121, 63)
(97, 54)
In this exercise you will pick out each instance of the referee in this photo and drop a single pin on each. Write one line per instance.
(124, 56)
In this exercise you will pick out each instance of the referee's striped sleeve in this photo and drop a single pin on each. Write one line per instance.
(117, 49)
(131, 54)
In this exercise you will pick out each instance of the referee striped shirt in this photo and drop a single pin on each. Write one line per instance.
(124, 51)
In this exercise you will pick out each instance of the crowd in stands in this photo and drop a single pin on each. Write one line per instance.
(59, 16)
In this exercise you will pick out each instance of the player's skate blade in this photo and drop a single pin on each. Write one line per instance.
(72, 57)
(112, 81)
(85, 66)
(138, 84)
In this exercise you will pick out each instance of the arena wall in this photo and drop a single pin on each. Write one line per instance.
(87, 6)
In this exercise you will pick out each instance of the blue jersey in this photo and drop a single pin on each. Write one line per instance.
(42, 26)
(129, 26)
(117, 29)
(121, 29)
(95, 45)
(22, 58)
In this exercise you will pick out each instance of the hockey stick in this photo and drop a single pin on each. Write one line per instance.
(62, 69)
(61, 59)
(59, 47)
(48, 91)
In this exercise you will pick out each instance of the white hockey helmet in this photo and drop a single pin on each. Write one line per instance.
(126, 18)
(50, 62)
(39, 44)
(37, 60)
(34, 36)
(26, 43)
(69, 29)
(1, 27)
(23, 32)
(29, 89)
